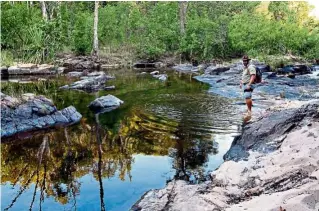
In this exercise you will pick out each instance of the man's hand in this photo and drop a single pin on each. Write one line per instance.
(241, 84)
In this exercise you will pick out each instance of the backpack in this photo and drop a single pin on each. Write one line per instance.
(259, 75)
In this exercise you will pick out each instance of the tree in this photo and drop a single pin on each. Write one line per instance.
(95, 35)
(44, 11)
(182, 16)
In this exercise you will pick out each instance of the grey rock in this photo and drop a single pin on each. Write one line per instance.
(266, 134)
(61, 70)
(109, 87)
(162, 77)
(14, 70)
(80, 63)
(92, 82)
(74, 74)
(105, 103)
(31, 113)
(71, 114)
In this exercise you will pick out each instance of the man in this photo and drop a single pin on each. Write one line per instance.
(247, 81)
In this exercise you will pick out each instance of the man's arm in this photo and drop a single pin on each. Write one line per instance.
(252, 79)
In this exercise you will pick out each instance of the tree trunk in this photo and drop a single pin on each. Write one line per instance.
(95, 35)
(44, 11)
(182, 16)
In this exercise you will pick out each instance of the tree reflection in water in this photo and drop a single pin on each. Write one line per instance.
(53, 162)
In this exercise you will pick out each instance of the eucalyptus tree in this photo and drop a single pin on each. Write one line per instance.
(95, 28)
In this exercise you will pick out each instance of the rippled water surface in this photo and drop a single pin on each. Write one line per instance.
(164, 130)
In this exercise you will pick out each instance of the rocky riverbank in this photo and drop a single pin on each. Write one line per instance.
(272, 164)
(287, 176)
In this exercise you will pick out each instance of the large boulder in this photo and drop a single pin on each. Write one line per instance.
(105, 104)
(31, 112)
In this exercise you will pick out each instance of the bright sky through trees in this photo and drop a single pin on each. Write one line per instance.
(315, 11)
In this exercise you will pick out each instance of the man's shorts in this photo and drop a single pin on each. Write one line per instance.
(248, 93)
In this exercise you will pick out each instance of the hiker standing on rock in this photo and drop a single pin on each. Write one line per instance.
(247, 82)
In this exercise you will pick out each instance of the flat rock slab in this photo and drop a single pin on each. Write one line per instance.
(30, 113)
(267, 134)
(105, 104)
(30, 69)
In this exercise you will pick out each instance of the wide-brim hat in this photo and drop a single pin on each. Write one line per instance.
(246, 58)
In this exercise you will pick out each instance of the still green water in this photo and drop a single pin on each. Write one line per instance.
(164, 130)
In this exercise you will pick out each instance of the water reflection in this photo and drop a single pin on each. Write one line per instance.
(109, 160)
(55, 160)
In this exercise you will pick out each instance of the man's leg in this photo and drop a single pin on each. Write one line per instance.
(249, 104)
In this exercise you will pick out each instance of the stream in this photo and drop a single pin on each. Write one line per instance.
(163, 131)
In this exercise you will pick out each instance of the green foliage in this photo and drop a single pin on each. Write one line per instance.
(82, 33)
(257, 35)
(27, 34)
(199, 39)
(6, 58)
(159, 30)
(152, 29)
